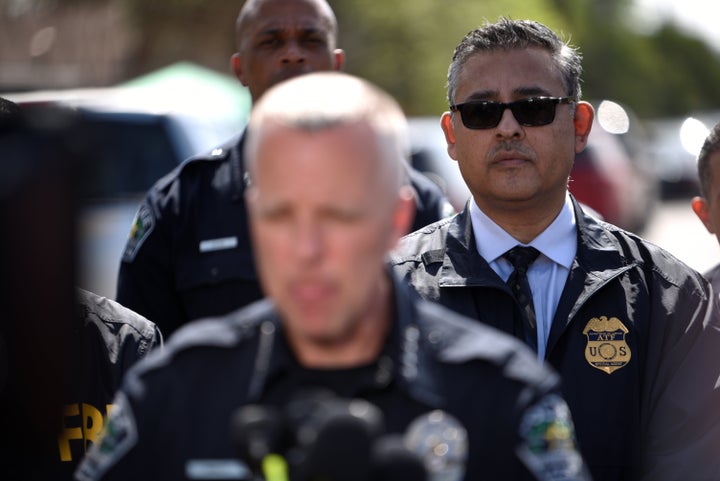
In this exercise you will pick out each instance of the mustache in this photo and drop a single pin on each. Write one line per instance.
(511, 146)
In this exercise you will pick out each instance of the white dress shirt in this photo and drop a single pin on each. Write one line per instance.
(547, 275)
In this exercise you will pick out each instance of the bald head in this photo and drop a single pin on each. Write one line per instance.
(252, 10)
(280, 39)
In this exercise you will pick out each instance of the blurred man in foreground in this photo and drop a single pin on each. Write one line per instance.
(188, 254)
(328, 198)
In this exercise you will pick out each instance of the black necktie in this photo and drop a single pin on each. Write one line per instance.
(521, 257)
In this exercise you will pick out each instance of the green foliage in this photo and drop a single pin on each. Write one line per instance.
(405, 46)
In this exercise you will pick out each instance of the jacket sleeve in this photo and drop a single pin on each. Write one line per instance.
(146, 280)
(682, 398)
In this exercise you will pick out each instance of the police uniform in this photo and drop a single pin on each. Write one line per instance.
(188, 254)
(105, 341)
(635, 339)
(173, 414)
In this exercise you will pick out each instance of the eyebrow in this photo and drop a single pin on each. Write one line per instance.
(271, 31)
(519, 92)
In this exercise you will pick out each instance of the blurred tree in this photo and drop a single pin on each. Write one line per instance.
(405, 46)
(664, 73)
(200, 31)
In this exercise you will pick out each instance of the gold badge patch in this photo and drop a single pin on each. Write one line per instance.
(606, 347)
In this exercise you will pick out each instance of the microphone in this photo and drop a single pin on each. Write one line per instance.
(392, 460)
(258, 433)
(440, 440)
(334, 439)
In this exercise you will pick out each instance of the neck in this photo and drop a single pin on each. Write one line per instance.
(523, 221)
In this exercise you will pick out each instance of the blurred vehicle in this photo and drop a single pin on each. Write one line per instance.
(676, 143)
(429, 156)
(131, 143)
(612, 175)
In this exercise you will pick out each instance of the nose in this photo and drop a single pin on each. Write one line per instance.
(308, 241)
(293, 53)
(509, 127)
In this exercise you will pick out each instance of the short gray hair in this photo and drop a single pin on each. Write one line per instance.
(507, 34)
(325, 100)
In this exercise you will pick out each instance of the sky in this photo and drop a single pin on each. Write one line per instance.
(697, 16)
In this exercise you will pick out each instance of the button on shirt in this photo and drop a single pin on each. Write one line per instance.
(547, 275)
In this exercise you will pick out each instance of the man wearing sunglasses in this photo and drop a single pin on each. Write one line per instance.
(633, 332)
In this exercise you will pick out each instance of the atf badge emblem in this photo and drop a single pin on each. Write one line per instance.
(142, 225)
(606, 347)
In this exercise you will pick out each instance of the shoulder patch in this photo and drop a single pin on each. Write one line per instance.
(143, 224)
(119, 436)
(548, 447)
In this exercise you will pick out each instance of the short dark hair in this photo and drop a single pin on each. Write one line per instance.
(508, 34)
(710, 146)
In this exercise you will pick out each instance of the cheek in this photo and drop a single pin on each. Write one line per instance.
(270, 246)
(557, 150)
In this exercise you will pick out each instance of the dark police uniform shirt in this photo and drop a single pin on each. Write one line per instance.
(173, 413)
(106, 340)
(635, 339)
(188, 254)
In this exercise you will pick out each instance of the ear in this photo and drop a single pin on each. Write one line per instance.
(339, 59)
(583, 120)
(404, 215)
(702, 211)
(449, 131)
(236, 64)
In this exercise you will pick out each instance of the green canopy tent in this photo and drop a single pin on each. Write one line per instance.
(192, 89)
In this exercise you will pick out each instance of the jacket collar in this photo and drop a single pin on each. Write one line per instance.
(463, 266)
(599, 259)
(234, 149)
(403, 359)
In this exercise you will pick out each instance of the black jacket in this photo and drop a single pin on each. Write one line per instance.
(635, 339)
(99, 345)
(189, 255)
(175, 409)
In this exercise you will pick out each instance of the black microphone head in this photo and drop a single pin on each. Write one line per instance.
(256, 431)
(338, 444)
(391, 460)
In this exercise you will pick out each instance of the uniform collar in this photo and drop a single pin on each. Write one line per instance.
(403, 359)
(237, 168)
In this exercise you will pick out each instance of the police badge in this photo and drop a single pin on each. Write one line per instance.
(606, 347)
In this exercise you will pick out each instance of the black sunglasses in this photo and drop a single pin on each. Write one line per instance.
(532, 112)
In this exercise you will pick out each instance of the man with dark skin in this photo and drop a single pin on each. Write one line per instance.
(188, 254)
